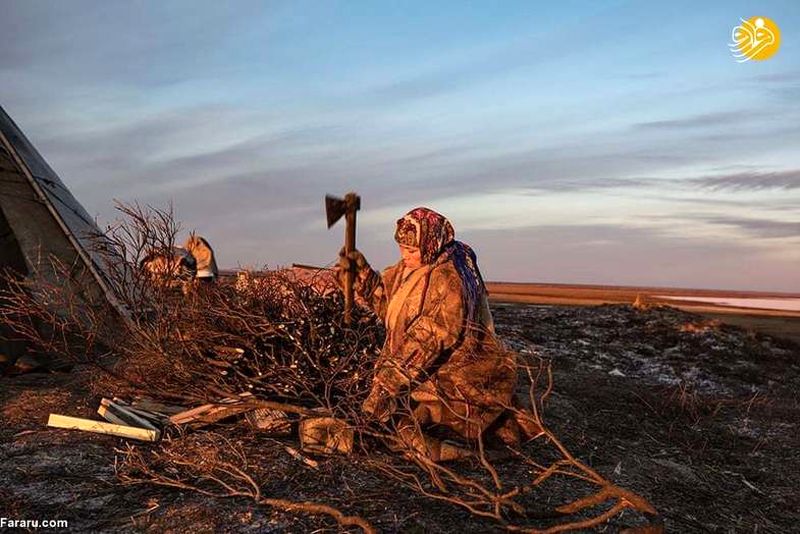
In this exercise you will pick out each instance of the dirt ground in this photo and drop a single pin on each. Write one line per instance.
(700, 418)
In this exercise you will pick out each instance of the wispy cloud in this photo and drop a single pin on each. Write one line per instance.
(752, 181)
(84, 42)
(760, 228)
(779, 77)
(620, 254)
(784, 86)
(722, 118)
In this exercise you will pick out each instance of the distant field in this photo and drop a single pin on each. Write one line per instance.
(779, 322)
(681, 298)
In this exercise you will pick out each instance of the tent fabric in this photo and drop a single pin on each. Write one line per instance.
(45, 220)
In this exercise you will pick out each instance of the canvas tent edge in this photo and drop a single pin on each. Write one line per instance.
(9, 131)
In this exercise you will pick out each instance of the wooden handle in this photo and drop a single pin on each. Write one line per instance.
(350, 246)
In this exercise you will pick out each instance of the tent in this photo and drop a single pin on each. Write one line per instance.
(40, 219)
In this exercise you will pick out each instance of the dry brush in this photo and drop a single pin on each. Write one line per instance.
(281, 338)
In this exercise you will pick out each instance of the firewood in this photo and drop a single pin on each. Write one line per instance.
(121, 413)
(153, 417)
(209, 413)
(271, 422)
(110, 416)
(99, 427)
(157, 407)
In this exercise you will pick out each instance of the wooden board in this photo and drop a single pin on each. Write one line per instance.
(109, 416)
(271, 422)
(209, 413)
(157, 407)
(127, 417)
(88, 425)
(153, 417)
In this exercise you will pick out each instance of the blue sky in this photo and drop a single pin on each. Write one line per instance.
(574, 142)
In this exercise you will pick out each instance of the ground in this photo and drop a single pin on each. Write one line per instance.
(699, 418)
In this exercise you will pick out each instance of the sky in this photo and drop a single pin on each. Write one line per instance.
(570, 142)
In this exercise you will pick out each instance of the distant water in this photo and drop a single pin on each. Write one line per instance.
(784, 304)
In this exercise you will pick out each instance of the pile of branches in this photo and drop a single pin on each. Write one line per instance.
(281, 338)
(275, 334)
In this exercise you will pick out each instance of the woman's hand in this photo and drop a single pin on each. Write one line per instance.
(343, 266)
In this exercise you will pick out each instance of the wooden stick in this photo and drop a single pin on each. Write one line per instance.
(109, 416)
(152, 406)
(153, 417)
(189, 415)
(129, 418)
(210, 413)
(76, 423)
(349, 246)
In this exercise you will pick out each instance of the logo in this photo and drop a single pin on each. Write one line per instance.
(757, 38)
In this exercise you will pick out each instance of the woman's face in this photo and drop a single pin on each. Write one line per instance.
(412, 257)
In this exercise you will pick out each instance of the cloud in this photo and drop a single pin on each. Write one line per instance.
(622, 255)
(480, 69)
(762, 228)
(722, 118)
(85, 42)
(532, 50)
(752, 181)
(784, 86)
(779, 77)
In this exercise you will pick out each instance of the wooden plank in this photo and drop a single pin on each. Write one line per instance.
(210, 413)
(99, 427)
(153, 417)
(134, 418)
(221, 412)
(129, 418)
(189, 415)
(159, 419)
(272, 422)
(106, 414)
(157, 407)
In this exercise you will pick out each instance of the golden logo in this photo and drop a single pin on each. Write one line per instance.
(757, 38)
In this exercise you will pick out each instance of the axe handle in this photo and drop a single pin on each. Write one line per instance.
(349, 246)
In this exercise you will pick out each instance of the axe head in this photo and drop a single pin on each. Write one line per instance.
(336, 208)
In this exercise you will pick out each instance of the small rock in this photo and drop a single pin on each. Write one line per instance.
(616, 372)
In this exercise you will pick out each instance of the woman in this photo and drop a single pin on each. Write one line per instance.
(203, 254)
(440, 345)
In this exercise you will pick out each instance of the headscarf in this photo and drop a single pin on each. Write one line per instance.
(433, 234)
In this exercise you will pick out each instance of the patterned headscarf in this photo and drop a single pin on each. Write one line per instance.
(433, 234)
(425, 229)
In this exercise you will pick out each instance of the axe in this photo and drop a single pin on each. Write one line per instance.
(334, 209)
